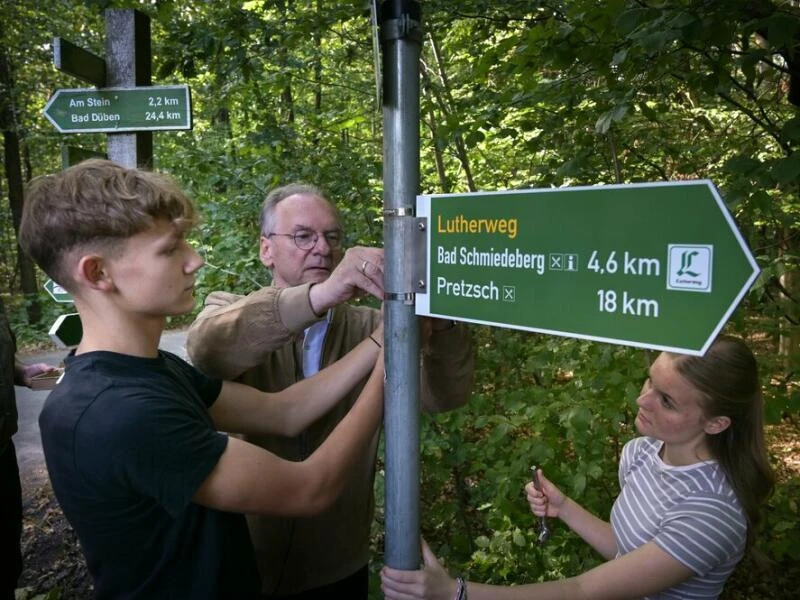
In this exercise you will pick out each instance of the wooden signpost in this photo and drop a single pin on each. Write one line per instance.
(123, 105)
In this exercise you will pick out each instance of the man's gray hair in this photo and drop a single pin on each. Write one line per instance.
(281, 193)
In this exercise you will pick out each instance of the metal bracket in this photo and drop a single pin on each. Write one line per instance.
(415, 252)
(400, 19)
(403, 211)
(420, 267)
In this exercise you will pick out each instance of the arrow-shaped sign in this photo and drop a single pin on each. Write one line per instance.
(58, 293)
(658, 265)
(117, 110)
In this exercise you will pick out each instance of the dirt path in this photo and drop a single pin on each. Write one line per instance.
(51, 556)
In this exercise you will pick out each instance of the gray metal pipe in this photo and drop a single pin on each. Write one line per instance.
(400, 25)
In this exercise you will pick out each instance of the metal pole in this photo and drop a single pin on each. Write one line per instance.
(128, 65)
(400, 26)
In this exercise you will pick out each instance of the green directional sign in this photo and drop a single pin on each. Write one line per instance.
(67, 331)
(656, 265)
(58, 293)
(117, 110)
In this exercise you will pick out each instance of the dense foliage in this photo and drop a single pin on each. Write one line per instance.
(514, 94)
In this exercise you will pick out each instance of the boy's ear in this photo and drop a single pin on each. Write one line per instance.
(717, 425)
(93, 273)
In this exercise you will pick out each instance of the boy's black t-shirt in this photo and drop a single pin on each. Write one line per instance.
(128, 441)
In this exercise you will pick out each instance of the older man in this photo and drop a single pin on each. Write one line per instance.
(289, 330)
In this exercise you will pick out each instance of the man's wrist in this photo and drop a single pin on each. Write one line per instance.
(293, 307)
(317, 310)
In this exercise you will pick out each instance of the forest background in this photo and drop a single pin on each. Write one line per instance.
(514, 94)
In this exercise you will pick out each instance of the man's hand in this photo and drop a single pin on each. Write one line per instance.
(24, 374)
(359, 272)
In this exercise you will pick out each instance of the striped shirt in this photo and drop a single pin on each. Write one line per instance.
(691, 512)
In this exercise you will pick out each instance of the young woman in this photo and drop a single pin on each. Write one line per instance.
(692, 487)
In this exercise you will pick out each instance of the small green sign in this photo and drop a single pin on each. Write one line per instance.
(67, 331)
(58, 293)
(656, 265)
(117, 110)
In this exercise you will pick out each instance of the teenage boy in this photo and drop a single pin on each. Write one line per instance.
(131, 434)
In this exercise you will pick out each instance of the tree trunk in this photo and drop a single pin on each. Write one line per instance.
(789, 343)
(444, 182)
(13, 166)
(286, 94)
(317, 37)
(445, 104)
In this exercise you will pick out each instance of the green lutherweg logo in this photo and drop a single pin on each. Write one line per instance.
(686, 263)
(689, 267)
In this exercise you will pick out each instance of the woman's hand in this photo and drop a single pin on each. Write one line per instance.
(429, 583)
(548, 502)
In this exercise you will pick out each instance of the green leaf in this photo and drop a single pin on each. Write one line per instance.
(781, 29)
(629, 20)
(647, 111)
(519, 539)
(784, 526)
(683, 19)
(742, 164)
(578, 484)
(656, 41)
(791, 130)
(616, 113)
(603, 124)
(473, 138)
(787, 170)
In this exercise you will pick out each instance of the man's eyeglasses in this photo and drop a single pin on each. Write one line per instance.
(306, 239)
